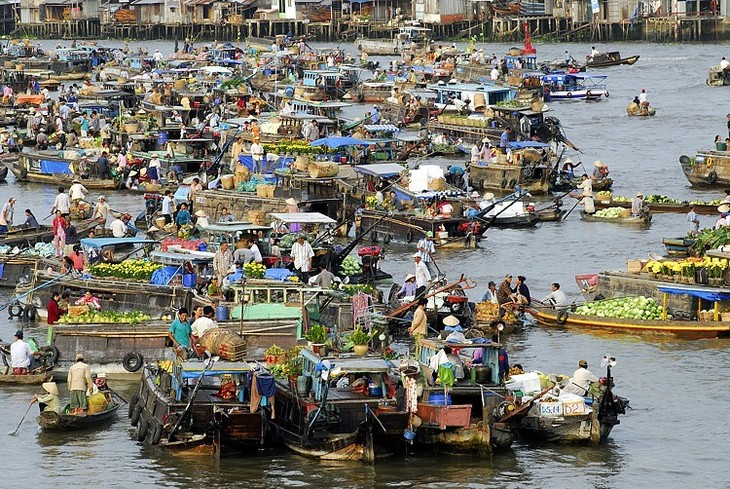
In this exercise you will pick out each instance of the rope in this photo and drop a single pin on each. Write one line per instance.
(25, 294)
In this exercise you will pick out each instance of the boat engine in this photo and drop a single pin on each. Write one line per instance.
(456, 303)
(369, 258)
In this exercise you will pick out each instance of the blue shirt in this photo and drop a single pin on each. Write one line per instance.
(181, 332)
(183, 217)
(504, 139)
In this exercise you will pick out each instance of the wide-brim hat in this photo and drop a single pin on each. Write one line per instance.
(75, 180)
(451, 321)
(291, 201)
(143, 171)
(488, 196)
(133, 173)
(153, 229)
(51, 388)
(598, 164)
(429, 234)
(79, 356)
(416, 255)
(101, 375)
(722, 208)
(568, 160)
(200, 214)
(639, 194)
(410, 276)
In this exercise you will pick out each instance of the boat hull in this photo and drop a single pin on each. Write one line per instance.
(613, 59)
(51, 421)
(631, 221)
(28, 169)
(707, 169)
(689, 329)
(30, 379)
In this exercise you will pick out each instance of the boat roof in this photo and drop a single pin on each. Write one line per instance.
(102, 242)
(381, 127)
(527, 144)
(381, 169)
(303, 217)
(234, 227)
(577, 76)
(469, 87)
(178, 256)
(353, 364)
(706, 293)
(437, 344)
(193, 369)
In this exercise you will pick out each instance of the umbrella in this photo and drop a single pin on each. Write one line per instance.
(216, 69)
(336, 142)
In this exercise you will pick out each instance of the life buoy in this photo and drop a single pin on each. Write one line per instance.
(136, 412)
(710, 162)
(16, 310)
(562, 317)
(481, 184)
(30, 313)
(512, 183)
(607, 93)
(360, 97)
(50, 355)
(712, 177)
(141, 432)
(132, 404)
(503, 183)
(569, 95)
(132, 362)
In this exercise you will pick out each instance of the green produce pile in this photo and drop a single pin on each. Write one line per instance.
(661, 199)
(350, 266)
(353, 289)
(250, 186)
(709, 239)
(620, 198)
(442, 148)
(136, 269)
(628, 307)
(106, 317)
(232, 83)
(711, 202)
(610, 212)
(514, 103)
(288, 240)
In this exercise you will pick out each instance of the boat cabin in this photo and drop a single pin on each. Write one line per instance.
(574, 86)
(115, 250)
(490, 94)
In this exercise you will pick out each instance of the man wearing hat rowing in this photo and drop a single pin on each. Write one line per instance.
(77, 190)
(423, 277)
(426, 249)
(101, 210)
(79, 385)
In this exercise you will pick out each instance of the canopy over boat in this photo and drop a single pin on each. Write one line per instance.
(382, 170)
(303, 217)
(706, 293)
(182, 256)
(336, 142)
(98, 243)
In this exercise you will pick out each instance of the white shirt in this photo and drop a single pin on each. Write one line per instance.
(587, 187)
(494, 74)
(20, 354)
(301, 253)
(6, 215)
(475, 153)
(201, 325)
(724, 64)
(62, 203)
(257, 151)
(642, 97)
(167, 205)
(423, 277)
(580, 382)
(557, 297)
(588, 204)
(119, 229)
(77, 191)
(158, 56)
(256, 253)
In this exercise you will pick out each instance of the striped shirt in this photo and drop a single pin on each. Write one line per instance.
(301, 253)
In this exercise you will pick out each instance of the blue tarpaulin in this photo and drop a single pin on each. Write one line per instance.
(527, 144)
(53, 166)
(703, 293)
(336, 142)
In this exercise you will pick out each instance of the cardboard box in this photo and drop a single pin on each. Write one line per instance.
(634, 266)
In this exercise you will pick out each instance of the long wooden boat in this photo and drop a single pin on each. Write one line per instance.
(30, 236)
(566, 186)
(159, 411)
(678, 246)
(718, 76)
(530, 169)
(603, 60)
(643, 220)
(52, 421)
(690, 329)
(47, 167)
(340, 424)
(709, 168)
(30, 379)
(679, 208)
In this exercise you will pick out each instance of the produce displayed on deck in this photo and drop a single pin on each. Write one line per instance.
(254, 270)
(350, 266)
(611, 213)
(105, 317)
(624, 307)
(134, 269)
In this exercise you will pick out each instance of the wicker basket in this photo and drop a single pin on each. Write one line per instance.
(257, 217)
(225, 343)
(74, 311)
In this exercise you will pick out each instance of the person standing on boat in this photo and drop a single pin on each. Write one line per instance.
(426, 249)
(257, 155)
(302, 254)
(183, 216)
(643, 101)
(557, 297)
(77, 191)
(20, 355)
(102, 165)
(594, 53)
(423, 276)
(504, 139)
(637, 204)
(181, 334)
(504, 295)
(222, 261)
(225, 216)
(168, 204)
(586, 185)
(419, 324)
(59, 235)
(153, 169)
(581, 380)
(54, 308)
(79, 385)
(6, 216)
(204, 323)
(101, 210)
(694, 221)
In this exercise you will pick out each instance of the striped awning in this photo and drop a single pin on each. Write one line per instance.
(381, 127)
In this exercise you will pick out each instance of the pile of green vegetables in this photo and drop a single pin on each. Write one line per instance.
(627, 307)
(709, 239)
(610, 213)
(350, 266)
(106, 317)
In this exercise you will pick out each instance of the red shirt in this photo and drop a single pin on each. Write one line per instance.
(78, 260)
(54, 312)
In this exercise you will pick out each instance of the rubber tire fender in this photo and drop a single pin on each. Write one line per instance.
(712, 177)
(562, 317)
(684, 159)
(386, 238)
(409, 236)
(136, 412)
(569, 95)
(132, 404)
(52, 353)
(154, 432)
(512, 183)
(16, 310)
(30, 313)
(132, 362)
(481, 184)
(142, 427)
(503, 183)
(588, 94)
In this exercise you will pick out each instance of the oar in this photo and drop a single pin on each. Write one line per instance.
(571, 209)
(15, 431)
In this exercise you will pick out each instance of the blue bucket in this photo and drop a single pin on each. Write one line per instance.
(190, 280)
(289, 92)
(409, 435)
(162, 139)
(203, 246)
(221, 313)
(438, 398)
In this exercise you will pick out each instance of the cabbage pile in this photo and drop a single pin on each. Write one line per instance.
(350, 266)
(628, 308)
(609, 213)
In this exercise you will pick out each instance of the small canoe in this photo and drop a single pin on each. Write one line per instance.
(688, 329)
(51, 421)
(30, 379)
(643, 220)
(678, 207)
(603, 60)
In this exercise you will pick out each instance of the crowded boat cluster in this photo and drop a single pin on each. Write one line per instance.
(249, 294)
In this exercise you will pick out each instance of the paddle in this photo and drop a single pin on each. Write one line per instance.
(571, 210)
(15, 431)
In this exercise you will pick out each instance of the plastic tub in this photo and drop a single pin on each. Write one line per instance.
(221, 313)
(190, 280)
(438, 398)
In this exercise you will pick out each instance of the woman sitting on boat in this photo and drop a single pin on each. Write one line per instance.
(408, 290)
(49, 400)
(30, 221)
(89, 300)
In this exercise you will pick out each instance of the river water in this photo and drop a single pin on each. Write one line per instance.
(675, 434)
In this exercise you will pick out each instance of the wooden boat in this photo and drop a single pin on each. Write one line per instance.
(529, 169)
(602, 60)
(643, 220)
(30, 236)
(212, 423)
(655, 208)
(51, 421)
(688, 329)
(678, 246)
(707, 169)
(507, 8)
(340, 423)
(30, 379)
(635, 110)
(461, 421)
(47, 167)
(3, 173)
(508, 213)
(718, 76)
